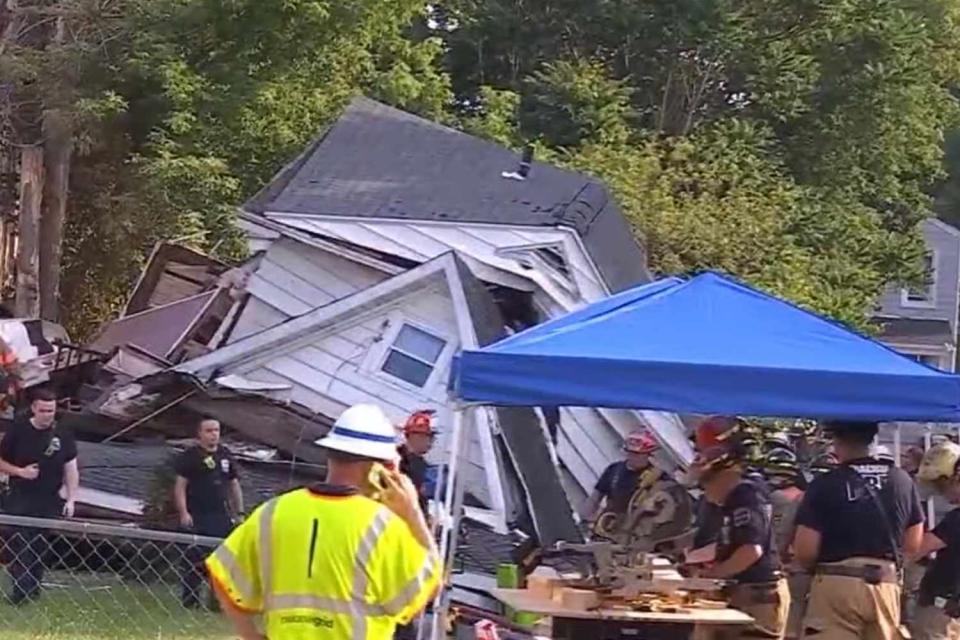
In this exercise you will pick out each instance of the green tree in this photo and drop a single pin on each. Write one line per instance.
(793, 144)
(191, 105)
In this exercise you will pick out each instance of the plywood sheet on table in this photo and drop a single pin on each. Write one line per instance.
(522, 600)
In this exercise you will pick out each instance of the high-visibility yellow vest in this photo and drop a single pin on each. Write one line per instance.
(324, 566)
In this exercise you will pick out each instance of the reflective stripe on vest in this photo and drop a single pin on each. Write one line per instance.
(409, 592)
(367, 544)
(266, 547)
(238, 579)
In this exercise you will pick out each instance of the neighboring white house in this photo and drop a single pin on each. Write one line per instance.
(391, 243)
(922, 322)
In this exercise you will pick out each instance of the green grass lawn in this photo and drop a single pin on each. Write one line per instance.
(89, 607)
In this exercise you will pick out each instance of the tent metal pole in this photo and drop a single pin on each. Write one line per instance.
(927, 443)
(897, 445)
(450, 517)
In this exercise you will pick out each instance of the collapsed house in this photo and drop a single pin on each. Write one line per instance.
(388, 245)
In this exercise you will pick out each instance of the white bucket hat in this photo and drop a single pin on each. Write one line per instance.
(363, 430)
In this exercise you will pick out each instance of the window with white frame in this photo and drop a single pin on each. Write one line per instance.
(413, 355)
(925, 295)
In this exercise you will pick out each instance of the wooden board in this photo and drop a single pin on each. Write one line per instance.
(521, 600)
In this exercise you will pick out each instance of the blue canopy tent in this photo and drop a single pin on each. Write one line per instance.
(706, 345)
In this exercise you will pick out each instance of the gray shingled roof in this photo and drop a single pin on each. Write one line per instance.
(380, 162)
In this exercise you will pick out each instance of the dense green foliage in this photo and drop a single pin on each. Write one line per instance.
(795, 144)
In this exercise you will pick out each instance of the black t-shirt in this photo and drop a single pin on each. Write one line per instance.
(617, 484)
(942, 578)
(838, 507)
(747, 519)
(51, 449)
(208, 475)
(415, 467)
(709, 523)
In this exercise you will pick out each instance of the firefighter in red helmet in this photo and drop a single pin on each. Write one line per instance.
(419, 432)
(619, 481)
(746, 553)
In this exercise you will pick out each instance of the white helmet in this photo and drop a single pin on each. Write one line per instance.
(363, 430)
(882, 452)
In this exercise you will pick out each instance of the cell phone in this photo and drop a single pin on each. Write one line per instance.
(376, 482)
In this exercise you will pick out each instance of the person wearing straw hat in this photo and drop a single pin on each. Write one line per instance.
(356, 558)
(938, 604)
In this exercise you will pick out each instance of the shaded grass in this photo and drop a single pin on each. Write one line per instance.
(91, 607)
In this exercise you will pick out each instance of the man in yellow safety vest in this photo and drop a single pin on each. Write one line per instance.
(328, 561)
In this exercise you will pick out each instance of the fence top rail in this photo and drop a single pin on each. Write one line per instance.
(105, 530)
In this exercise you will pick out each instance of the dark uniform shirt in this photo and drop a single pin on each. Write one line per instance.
(942, 579)
(52, 448)
(847, 518)
(709, 523)
(747, 520)
(415, 467)
(617, 484)
(208, 477)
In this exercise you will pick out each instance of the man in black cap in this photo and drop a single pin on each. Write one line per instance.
(854, 526)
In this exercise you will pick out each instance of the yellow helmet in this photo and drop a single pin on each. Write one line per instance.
(939, 462)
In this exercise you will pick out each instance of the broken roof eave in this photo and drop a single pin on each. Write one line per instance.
(494, 268)
(263, 344)
(363, 255)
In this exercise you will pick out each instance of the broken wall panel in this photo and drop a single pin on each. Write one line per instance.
(294, 278)
(173, 272)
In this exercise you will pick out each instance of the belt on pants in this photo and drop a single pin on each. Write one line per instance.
(757, 593)
(869, 573)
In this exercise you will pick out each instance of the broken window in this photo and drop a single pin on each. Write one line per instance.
(554, 257)
(413, 355)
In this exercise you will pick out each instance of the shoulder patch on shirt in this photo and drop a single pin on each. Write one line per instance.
(225, 465)
(53, 447)
(741, 516)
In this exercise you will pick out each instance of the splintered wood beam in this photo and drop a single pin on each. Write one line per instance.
(31, 203)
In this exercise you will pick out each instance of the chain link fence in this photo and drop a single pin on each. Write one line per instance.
(83, 581)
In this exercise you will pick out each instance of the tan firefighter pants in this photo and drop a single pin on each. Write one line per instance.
(799, 592)
(931, 623)
(848, 608)
(769, 615)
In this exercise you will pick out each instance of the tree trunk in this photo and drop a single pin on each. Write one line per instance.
(31, 202)
(58, 148)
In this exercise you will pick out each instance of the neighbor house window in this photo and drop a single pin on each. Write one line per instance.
(933, 361)
(925, 295)
(413, 355)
